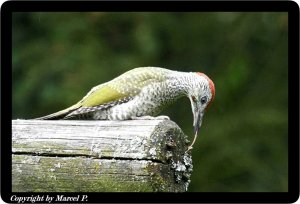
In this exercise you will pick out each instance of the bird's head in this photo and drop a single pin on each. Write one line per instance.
(201, 95)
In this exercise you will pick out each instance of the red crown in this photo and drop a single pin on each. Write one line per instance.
(211, 86)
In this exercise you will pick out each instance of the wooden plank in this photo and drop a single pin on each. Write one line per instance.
(136, 155)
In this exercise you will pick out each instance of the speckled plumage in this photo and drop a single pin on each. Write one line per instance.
(138, 92)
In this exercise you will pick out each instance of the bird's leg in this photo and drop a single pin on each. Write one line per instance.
(148, 117)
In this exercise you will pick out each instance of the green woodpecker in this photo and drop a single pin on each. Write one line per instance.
(143, 93)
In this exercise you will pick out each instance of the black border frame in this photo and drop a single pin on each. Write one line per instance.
(248, 6)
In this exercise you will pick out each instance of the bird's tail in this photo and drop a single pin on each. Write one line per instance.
(60, 114)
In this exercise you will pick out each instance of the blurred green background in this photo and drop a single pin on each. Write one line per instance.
(242, 146)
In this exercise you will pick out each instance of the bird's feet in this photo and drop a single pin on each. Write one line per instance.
(148, 117)
(162, 117)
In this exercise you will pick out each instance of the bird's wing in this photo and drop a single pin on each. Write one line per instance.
(119, 90)
(101, 95)
(126, 85)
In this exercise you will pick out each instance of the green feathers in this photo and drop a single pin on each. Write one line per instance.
(102, 95)
(119, 90)
(128, 84)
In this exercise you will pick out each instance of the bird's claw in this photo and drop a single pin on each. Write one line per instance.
(148, 117)
(162, 117)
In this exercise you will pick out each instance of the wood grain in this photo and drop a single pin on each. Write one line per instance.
(99, 156)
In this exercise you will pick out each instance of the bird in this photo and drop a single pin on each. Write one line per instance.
(142, 93)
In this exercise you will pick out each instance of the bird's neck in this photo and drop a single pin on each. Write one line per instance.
(180, 83)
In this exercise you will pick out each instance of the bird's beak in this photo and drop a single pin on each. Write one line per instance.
(198, 115)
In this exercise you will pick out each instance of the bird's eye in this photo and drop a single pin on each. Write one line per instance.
(194, 98)
(203, 100)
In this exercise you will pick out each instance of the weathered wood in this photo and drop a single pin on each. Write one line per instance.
(98, 156)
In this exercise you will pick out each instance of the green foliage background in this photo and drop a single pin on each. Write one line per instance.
(242, 146)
